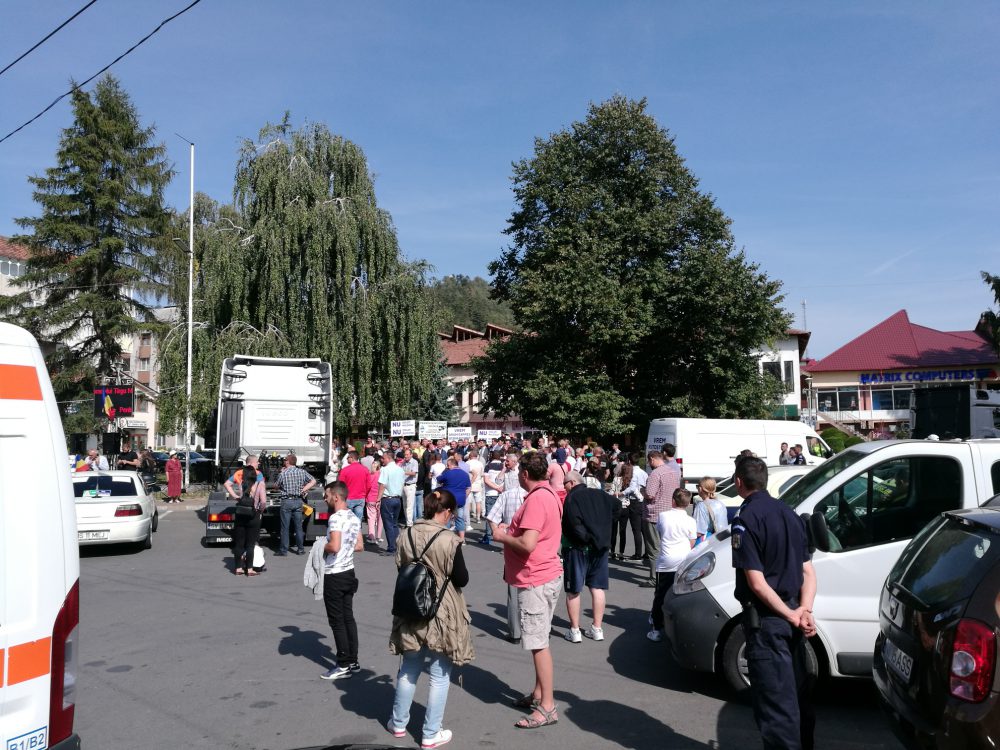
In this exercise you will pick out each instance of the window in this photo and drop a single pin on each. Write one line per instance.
(995, 476)
(789, 376)
(145, 339)
(141, 403)
(848, 398)
(893, 500)
(144, 364)
(882, 399)
(773, 369)
(827, 400)
(901, 398)
(5, 268)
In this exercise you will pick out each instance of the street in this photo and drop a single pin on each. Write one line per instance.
(177, 652)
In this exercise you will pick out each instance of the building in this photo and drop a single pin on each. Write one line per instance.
(13, 263)
(459, 347)
(783, 362)
(864, 386)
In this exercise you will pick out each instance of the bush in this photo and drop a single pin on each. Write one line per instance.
(853, 440)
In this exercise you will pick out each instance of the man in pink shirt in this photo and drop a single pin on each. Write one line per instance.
(664, 478)
(355, 476)
(531, 564)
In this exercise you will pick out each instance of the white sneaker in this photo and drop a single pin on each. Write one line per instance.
(443, 737)
(573, 635)
(655, 635)
(397, 733)
(596, 634)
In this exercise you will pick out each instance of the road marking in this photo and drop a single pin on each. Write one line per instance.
(165, 513)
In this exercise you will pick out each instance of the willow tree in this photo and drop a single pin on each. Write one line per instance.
(310, 265)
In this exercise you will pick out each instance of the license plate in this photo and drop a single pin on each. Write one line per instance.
(219, 526)
(91, 536)
(899, 662)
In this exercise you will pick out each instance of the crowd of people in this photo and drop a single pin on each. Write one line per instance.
(561, 514)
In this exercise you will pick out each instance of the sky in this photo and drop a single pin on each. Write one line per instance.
(853, 144)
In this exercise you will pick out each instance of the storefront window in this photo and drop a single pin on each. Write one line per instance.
(848, 398)
(827, 400)
(901, 398)
(882, 399)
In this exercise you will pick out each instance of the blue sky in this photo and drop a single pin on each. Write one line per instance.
(853, 144)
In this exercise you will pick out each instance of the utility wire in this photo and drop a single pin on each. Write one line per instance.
(47, 37)
(58, 99)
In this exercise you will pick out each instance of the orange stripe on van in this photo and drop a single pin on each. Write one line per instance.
(2, 665)
(28, 661)
(19, 382)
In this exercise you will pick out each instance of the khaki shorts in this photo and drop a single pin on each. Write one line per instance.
(537, 606)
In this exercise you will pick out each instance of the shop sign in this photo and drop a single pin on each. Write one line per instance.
(929, 376)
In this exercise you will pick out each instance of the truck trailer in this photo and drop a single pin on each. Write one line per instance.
(269, 408)
(954, 411)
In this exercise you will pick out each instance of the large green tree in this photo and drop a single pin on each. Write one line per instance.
(95, 259)
(307, 264)
(625, 277)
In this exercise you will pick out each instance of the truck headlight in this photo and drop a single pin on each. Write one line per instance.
(688, 578)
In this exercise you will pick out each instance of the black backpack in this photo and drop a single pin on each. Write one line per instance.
(245, 503)
(416, 597)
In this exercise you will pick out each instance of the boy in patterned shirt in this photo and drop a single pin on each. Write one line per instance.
(339, 581)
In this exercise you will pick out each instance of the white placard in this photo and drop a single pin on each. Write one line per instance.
(433, 430)
(403, 428)
(488, 434)
(459, 433)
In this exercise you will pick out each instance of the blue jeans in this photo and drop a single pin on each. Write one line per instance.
(418, 505)
(390, 521)
(291, 507)
(491, 500)
(406, 683)
(357, 507)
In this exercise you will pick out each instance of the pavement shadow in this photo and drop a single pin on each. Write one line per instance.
(486, 686)
(490, 625)
(622, 725)
(306, 643)
(370, 695)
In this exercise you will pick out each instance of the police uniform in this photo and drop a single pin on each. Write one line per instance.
(769, 537)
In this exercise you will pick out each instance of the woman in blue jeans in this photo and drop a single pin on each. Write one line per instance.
(444, 640)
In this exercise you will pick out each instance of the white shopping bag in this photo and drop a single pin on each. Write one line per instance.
(258, 557)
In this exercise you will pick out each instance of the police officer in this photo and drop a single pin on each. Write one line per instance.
(776, 584)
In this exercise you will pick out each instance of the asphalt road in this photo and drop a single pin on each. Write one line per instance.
(177, 652)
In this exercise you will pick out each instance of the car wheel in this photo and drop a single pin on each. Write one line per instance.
(734, 662)
(156, 521)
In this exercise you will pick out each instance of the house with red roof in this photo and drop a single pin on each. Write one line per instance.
(13, 263)
(866, 384)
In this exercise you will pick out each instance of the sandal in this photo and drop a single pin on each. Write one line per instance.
(237, 572)
(529, 723)
(526, 701)
(252, 572)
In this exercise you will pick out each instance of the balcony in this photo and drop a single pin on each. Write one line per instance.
(858, 416)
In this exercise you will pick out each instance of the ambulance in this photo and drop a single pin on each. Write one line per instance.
(39, 557)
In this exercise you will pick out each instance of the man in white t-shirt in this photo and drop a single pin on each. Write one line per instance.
(340, 583)
(476, 500)
(678, 533)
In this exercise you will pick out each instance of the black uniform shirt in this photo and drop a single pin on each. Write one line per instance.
(769, 537)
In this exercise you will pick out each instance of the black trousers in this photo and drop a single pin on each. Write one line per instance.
(338, 596)
(245, 533)
(780, 686)
(630, 516)
(663, 583)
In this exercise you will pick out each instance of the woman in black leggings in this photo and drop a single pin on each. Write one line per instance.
(630, 516)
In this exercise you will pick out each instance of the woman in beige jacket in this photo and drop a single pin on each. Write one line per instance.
(445, 639)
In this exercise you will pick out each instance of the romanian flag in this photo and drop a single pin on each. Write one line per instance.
(109, 406)
(81, 464)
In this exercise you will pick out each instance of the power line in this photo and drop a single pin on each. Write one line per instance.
(127, 52)
(47, 37)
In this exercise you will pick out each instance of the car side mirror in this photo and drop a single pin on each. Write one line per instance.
(828, 454)
(809, 533)
(819, 534)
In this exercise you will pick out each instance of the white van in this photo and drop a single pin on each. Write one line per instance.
(709, 447)
(863, 506)
(39, 558)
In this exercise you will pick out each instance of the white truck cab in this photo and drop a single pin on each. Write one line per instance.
(39, 558)
(867, 502)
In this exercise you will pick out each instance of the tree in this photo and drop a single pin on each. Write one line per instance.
(461, 300)
(95, 259)
(307, 260)
(440, 403)
(626, 277)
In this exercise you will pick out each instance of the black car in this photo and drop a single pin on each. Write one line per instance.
(936, 655)
(202, 469)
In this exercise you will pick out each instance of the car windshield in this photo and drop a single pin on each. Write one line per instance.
(939, 566)
(104, 487)
(816, 478)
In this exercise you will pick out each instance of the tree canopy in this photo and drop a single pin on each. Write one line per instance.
(95, 249)
(465, 301)
(306, 264)
(624, 276)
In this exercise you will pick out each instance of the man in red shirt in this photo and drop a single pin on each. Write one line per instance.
(531, 564)
(355, 476)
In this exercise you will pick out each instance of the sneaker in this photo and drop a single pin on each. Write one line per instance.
(655, 635)
(337, 673)
(397, 733)
(573, 635)
(595, 634)
(443, 737)
(279, 553)
(355, 667)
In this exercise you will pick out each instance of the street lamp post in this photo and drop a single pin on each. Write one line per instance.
(190, 311)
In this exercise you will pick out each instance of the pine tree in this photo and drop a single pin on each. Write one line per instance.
(311, 262)
(94, 262)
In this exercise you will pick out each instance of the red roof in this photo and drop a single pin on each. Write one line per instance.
(896, 343)
(9, 250)
(458, 353)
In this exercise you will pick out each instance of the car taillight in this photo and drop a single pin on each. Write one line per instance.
(322, 516)
(128, 510)
(62, 696)
(221, 516)
(973, 659)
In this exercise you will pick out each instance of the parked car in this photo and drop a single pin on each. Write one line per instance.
(779, 480)
(936, 655)
(113, 507)
(201, 468)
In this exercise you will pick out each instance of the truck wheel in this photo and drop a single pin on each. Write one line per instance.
(734, 662)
